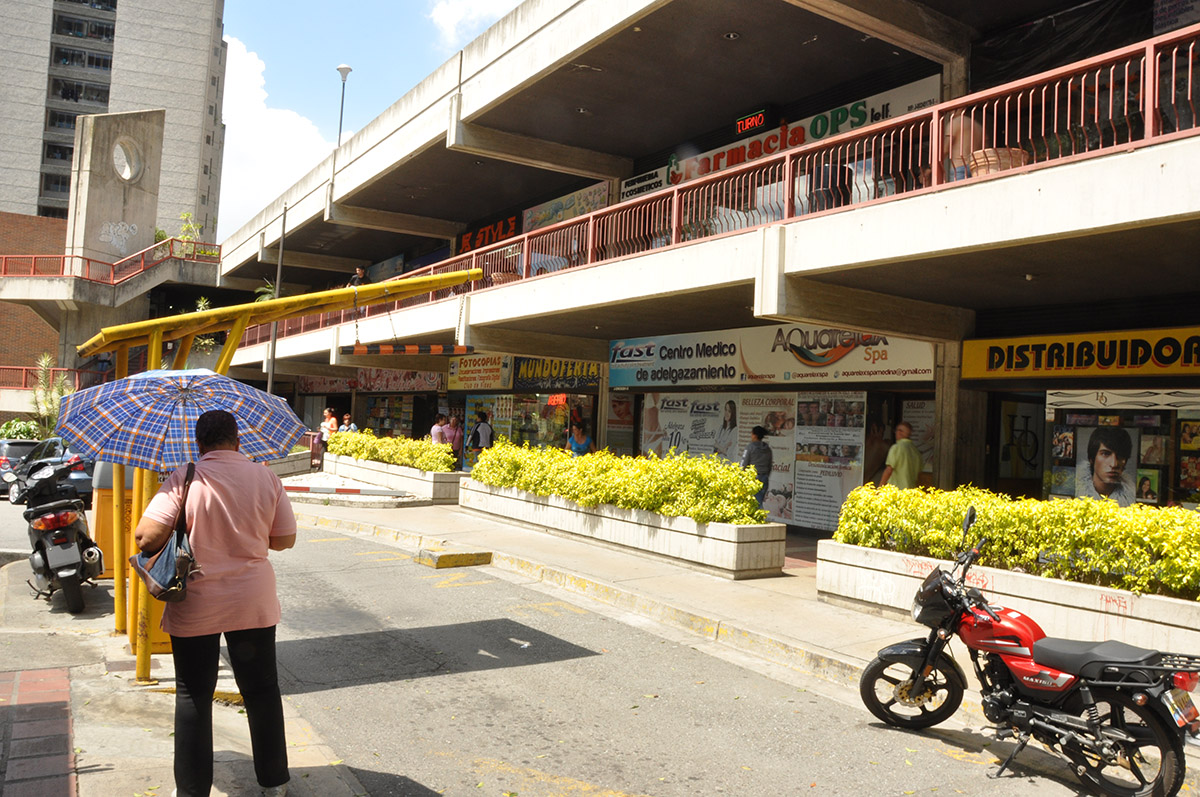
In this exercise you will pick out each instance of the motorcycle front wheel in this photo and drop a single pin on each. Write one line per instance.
(1148, 760)
(72, 590)
(886, 689)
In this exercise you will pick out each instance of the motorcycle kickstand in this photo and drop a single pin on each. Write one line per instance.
(37, 593)
(1022, 740)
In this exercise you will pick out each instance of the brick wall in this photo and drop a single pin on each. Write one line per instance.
(23, 334)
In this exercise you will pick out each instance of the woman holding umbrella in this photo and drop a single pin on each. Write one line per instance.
(237, 511)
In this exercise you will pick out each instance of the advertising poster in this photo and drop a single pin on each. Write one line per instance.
(1022, 430)
(786, 354)
(374, 380)
(620, 424)
(585, 200)
(775, 412)
(499, 410)
(919, 413)
(481, 372)
(829, 438)
(1106, 461)
(684, 422)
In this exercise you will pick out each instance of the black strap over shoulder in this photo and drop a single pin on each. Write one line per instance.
(181, 518)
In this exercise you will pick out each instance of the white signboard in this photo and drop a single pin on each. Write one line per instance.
(830, 433)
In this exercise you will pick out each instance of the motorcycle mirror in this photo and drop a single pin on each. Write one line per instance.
(42, 473)
(968, 521)
(9, 476)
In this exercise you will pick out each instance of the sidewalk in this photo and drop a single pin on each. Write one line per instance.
(777, 619)
(73, 722)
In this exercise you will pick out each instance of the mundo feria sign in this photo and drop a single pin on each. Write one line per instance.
(785, 354)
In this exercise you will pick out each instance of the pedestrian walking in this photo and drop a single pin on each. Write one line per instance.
(483, 435)
(452, 432)
(758, 454)
(236, 512)
(435, 432)
(579, 442)
(903, 460)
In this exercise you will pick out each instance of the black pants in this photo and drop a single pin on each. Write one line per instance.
(252, 655)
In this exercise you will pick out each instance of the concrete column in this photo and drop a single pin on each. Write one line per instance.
(961, 422)
(601, 430)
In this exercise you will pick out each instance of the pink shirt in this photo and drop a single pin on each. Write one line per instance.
(234, 506)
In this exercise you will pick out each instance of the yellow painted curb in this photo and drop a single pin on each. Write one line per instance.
(440, 559)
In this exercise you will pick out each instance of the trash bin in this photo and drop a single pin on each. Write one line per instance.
(102, 511)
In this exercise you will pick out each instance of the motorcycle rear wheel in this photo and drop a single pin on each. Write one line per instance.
(884, 689)
(72, 590)
(1150, 766)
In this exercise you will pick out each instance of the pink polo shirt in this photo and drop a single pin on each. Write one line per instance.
(234, 506)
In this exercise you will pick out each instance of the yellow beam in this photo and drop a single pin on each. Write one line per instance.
(178, 326)
(181, 354)
(120, 531)
(232, 341)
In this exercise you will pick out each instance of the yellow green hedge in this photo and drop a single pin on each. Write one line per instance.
(421, 454)
(1140, 548)
(707, 489)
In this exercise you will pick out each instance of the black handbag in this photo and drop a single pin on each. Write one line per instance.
(166, 571)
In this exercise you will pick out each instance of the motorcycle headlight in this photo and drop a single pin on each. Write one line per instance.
(916, 610)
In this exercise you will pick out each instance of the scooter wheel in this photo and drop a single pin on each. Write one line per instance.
(72, 590)
(886, 690)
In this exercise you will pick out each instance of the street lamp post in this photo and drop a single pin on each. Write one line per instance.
(343, 70)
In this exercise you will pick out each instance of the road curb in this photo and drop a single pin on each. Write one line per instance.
(796, 655)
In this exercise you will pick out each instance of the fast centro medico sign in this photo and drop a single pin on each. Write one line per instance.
(783, 354)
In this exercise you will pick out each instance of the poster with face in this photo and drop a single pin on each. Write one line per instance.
(1106, 463)
(829, 440)
(776, 413)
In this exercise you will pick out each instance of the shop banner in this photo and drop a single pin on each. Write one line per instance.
(375, 380)
(1123, 399)
(775, 412)
(585, 200)
(830, 435)
(1154, 352)
(783, 354)
(620, 425)
(541, 374)
(1171, 15)
(681, 422)
(896, 102)
(920, 415)
(481, 372)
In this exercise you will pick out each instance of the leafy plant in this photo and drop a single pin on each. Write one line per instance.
(421, 454)
(707, 489)
(204, 343)
(1139, 548)
(18, 429)
(264, 292)
(48, 391)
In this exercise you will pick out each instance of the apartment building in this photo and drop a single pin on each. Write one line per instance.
(65, 58)
(819, 217)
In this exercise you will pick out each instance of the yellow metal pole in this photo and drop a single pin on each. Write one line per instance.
(181, 354)
(232, 341)
(120, 550)
(135, 594)
(149, 485)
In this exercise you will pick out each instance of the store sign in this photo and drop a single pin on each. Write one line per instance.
(585, 200)
(1171, 15)
(897, 102)
(541, 374)
(1156, 352)
(374, 380)
(481, 372)
(489, 234)
(783, 354)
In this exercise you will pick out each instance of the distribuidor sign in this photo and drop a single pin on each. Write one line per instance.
(1154, 352)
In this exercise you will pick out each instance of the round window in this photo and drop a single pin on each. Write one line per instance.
(127, 160)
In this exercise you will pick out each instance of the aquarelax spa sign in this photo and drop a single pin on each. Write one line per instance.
(1154, 352)
(782, 354)
(896, 102)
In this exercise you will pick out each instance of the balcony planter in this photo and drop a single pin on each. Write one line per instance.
(723, 549)
(290, 465)
(440, 488)
(884, 582)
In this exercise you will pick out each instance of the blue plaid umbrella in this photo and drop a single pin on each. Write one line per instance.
(149, 420)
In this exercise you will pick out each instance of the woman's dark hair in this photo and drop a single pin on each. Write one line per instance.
(732, 422)
(759, 431)
(215, 428)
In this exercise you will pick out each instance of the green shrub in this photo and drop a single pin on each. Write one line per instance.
(17, 429)
(1140, 548)
(422, 454)
(707, 489)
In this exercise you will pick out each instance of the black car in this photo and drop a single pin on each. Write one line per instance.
(11, 453)
(54, 451)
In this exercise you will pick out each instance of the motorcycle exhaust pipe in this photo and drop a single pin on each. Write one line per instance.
(91, 555)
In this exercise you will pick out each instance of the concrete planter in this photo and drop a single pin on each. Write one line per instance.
(887, 581)
(290, 465)
(723, 549)
(440, 488)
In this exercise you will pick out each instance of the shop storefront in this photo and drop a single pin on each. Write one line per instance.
(829, 400)
(1106, 414)
(389, 403)
(528, 399)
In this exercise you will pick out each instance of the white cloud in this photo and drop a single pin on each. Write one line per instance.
(459, 21)
(266, 149)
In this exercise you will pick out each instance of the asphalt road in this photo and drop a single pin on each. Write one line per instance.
(469, 682)
(13, 536)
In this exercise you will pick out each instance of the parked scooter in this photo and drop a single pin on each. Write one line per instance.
(1118, 714)
(64, 555)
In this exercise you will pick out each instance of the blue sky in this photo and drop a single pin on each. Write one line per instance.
(282, 87)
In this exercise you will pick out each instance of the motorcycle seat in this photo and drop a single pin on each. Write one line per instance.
(1088, 659)
(54, 506)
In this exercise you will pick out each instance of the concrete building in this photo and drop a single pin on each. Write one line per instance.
(64, 58)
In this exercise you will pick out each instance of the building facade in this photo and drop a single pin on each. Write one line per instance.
(71, 57)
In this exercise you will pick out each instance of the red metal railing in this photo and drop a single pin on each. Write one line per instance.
(14, 377)
(1106, 104)
(108, 273)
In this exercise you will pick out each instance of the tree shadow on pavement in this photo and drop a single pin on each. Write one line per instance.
(329, 662)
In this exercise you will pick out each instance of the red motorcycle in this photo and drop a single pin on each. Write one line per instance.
(1118, 714)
